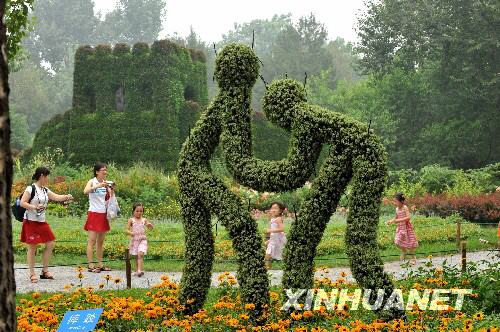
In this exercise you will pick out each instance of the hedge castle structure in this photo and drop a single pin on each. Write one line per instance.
(129, 104)
(138, 105)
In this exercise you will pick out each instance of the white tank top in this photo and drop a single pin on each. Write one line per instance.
(41, 197)
(97, 198)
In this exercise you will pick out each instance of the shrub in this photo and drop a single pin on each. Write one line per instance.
(483, 208)
(140, 182)
(463, 184)
(435, 178)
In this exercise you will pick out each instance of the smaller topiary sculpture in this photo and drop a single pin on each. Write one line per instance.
(355, 156)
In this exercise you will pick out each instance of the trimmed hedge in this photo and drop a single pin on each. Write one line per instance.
(203, 194)
(483, 208)
(356, 156)
(129, 105)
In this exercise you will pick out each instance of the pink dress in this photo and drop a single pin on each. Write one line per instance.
(276, 242)
(138, 242)
(405, 235)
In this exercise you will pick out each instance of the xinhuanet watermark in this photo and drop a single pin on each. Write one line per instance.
(368, 299)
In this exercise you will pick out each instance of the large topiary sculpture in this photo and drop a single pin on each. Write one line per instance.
(203, 194)
(356, 155)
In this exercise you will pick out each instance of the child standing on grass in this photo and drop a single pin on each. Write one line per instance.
(136, 228)
(405, 237)
(276, 233)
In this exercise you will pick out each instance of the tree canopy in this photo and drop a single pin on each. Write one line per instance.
(443, 59)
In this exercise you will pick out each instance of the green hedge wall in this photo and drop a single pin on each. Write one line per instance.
(159, 84)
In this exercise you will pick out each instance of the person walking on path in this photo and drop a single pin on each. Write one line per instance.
(405, 237)
(276, 233)
(136, 228)
(99, 191)
(35, 229)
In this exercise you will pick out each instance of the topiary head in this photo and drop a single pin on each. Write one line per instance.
(280, 101)
(236, 66)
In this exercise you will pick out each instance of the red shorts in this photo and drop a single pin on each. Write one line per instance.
(97, 222)
(34, 232)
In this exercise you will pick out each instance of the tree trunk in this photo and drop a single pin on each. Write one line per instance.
(7, 282)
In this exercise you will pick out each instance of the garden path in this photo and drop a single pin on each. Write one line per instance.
(67, 275)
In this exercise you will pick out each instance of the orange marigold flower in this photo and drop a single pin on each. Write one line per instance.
(478, 316)
(307, 314)
(249, 306)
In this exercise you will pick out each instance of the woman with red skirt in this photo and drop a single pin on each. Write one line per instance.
(99, 191)
(35, 229)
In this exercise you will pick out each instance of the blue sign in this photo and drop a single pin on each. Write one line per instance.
(80, 320)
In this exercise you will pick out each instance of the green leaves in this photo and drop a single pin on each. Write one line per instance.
(18, 24)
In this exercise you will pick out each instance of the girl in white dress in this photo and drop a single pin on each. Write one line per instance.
(276, 233)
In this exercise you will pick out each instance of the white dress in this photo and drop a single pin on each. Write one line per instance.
(276, 242)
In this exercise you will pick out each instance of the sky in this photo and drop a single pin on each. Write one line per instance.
(211, 19)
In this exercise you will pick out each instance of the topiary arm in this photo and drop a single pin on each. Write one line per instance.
(265, 175)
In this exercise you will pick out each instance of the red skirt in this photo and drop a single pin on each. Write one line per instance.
(34, 232)
(97, 222)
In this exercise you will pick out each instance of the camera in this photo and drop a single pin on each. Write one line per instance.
(110, 184)
(39, 211)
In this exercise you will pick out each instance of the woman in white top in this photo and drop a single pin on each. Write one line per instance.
(35, 229)
(97, 223)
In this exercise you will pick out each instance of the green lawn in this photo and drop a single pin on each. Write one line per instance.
(166, 242)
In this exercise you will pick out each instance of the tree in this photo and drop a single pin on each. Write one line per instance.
(363, 100)
(283, 47)
(21, 137)
(132, 21)
(344, 61)
(449, 51)
(7, 281)
(18, 23)
(60, 27)
(43, 102)
(300, 48)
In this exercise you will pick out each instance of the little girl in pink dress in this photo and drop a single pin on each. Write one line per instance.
(405, 237)
(276, 233)
(136, 228)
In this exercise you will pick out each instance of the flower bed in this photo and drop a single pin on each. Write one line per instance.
(158, 308)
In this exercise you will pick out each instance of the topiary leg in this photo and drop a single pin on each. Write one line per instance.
(247, 243)
(197, 272)
(306, 232)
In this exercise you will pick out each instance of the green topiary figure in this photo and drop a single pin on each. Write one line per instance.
(355, 156)
(203, 194)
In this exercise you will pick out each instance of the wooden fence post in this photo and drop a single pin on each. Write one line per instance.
(463, 246)
(459, 231)
(128, 269)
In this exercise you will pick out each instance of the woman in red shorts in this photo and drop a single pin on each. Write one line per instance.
(97, 224)
(35, 229)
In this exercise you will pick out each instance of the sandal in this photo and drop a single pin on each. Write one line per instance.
(46, 275)
(33, 279)
(104, 268)
(94, 269)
